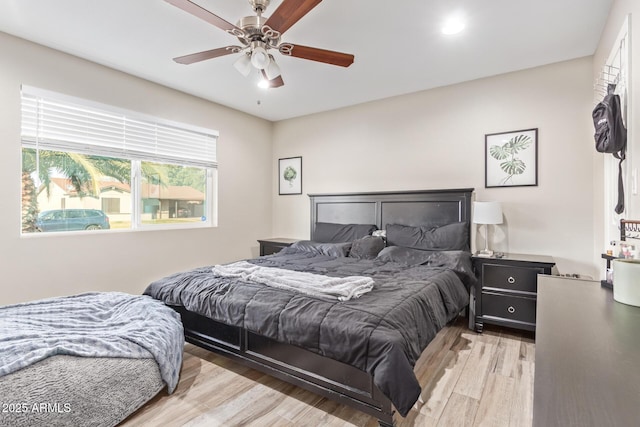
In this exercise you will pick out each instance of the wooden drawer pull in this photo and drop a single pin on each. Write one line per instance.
(511, 309)
(511, 280)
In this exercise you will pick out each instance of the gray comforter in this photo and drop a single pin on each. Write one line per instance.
(109, 324)
(383, 332)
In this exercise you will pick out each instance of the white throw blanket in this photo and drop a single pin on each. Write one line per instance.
(340, 288)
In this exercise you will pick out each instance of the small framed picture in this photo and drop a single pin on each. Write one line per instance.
(290, 175)
(511, 159)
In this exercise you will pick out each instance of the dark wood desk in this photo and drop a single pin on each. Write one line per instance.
(587, 369)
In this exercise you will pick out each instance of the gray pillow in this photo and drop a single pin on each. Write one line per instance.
(404, 255)
(327, 232)
(450, 237)
(329, 249)
(367, 247)
(458, 261)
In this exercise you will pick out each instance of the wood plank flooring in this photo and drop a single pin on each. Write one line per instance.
(467, 379)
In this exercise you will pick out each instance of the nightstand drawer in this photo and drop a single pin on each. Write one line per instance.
(509, 307)
(509, 277)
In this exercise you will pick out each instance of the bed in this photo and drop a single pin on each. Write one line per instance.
(356, 347)
(88, 359)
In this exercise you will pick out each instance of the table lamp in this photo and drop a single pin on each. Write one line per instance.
(486, 213)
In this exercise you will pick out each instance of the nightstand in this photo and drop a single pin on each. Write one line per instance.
(507, 289)
(274, 245)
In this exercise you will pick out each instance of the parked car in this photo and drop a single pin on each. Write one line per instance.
(72, 219)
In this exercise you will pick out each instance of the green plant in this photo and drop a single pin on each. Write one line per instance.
(29, 204)
(511, 165)
(289, 175)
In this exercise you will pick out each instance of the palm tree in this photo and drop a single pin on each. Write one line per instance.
(83, 171)
(29, 204)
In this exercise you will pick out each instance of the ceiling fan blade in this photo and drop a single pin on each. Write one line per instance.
(315, 54)
(207, 54)
(288, 13)
(204, 14)
(277, 82)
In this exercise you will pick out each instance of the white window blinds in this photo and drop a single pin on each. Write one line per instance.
(58, 122)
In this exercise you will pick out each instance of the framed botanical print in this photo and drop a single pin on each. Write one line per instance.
(290, 175)
(511, 158)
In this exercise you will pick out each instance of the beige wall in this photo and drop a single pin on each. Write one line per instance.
(45, 265)
(430, 139)
(435, 139)
(619, 10)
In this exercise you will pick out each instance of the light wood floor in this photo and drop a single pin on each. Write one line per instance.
(468, 379)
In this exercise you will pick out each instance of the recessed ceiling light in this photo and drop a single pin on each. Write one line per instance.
(453, 25)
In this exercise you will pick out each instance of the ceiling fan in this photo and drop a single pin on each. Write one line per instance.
(257, 35)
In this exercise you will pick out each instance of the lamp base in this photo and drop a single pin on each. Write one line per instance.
(486, 253)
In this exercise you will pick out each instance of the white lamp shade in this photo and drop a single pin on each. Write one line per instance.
(487, 213)
(260, 58)
(272, 70)
(243, 64)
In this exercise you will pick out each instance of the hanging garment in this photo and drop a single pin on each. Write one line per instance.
(611, 135)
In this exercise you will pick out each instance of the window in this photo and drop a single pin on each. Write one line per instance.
(87, 166)
(181, 200)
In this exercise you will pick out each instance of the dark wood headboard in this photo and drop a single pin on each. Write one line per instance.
(415, 208)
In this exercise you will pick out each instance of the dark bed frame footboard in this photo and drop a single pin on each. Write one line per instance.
(311, 371)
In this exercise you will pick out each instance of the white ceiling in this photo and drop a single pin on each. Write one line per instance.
(398, 45)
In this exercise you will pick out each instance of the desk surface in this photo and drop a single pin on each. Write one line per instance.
(587, 369)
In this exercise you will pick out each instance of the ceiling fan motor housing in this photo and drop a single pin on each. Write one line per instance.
(253, 30)
(251, 25)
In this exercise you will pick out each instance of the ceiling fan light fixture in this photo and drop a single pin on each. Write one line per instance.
(260, 58)
(243, 64)
(264, 83)
(272, 70)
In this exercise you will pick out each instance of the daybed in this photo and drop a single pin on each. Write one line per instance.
(85, 360)
(292, 315)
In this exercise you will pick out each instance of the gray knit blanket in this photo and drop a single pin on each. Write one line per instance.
(312, 284)
(110, 324)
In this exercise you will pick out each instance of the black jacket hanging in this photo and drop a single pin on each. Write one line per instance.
(611, 135)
